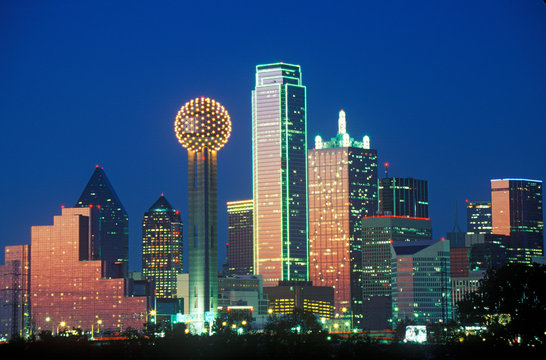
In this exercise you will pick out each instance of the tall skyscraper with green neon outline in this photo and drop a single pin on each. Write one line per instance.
(279, 165)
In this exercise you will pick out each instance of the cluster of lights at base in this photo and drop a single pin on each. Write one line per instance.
(202, 123)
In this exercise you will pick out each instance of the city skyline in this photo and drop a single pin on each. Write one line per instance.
(70, 101)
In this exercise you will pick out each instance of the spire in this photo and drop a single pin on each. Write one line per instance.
(341, 123)
(456, 227)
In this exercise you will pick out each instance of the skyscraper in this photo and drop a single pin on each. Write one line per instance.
(279, 165)
(67, 287)
(420, 282)
(203, 127)
(403, 197)
(517, 212)
(240, 247)
(378, 234)
(14, 293)
(478, 217)
(162, 247)
(111, 241)
(342, 189)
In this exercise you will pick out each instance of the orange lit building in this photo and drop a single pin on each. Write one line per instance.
(342, 189)
(516, 207)
(67, 289)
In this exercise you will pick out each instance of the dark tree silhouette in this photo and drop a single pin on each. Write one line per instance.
(299, 321)
(511, 303)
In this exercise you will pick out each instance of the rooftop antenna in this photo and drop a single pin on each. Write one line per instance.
(456, 227)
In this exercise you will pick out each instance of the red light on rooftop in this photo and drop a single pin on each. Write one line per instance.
(98, 206)
(97, 166)
(386, 164)
(442, 239)
(62, 206)
(90, 205)
(177, 212)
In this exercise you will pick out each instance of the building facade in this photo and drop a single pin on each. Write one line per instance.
(379, 233)
(240, 245)
(403, 197)
(279, 165)
(517, 213)
(68, 288)
(288, 295)
(14, 293)
(111, 241)
(421, 288)
(342, 189)
(162, 247)
(479, 217)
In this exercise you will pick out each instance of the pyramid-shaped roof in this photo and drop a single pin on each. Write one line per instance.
(99, 191)
(161, 204)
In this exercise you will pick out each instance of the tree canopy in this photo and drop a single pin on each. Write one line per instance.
(511, 302)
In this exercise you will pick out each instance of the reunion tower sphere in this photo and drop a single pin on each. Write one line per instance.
(202, 123)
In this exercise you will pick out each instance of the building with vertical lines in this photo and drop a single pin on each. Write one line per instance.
(279, 166)
(342, 189)
(379, 233)
(111, 240)
(516, 206)
(240, 246)
(403, 197)
(162, 247)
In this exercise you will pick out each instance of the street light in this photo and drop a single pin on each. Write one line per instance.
(61, 324)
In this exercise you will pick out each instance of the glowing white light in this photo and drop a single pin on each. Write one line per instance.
(318, 142)
(341, 123)
(346, 140)
(190, 128)
(366, 142)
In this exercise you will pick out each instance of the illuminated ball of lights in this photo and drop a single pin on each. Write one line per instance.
(202, 123)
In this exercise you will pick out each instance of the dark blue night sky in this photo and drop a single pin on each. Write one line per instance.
(453, 92)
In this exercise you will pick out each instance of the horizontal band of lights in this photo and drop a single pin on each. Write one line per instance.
(202, 123)
(395, 216)
(510, 179)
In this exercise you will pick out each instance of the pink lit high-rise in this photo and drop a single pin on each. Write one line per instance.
(68, 289)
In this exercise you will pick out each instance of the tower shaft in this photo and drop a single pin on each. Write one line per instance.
(203, 234)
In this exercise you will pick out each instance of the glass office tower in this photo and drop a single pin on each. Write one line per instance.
(240, 248)
(279, 159)
(342, 189)
(111, 241)
(517, 212)
(403, 197)
(162, 247)
(378, 234)
(478, 217)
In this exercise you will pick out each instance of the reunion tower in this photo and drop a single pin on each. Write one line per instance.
(202, 126)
